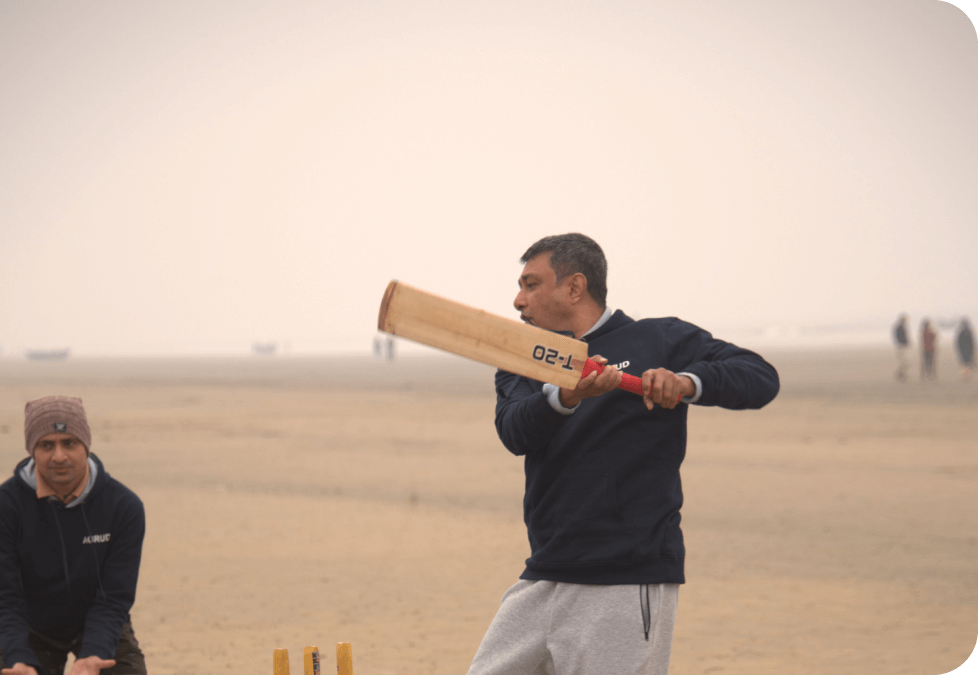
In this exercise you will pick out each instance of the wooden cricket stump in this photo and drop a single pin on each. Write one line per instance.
(310, 660)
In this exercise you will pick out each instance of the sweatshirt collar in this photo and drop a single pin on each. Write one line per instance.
(602, 320)
(28, 473)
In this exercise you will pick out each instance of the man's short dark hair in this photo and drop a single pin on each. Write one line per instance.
(573, 253)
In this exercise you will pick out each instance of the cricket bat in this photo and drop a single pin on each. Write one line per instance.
(510, 345)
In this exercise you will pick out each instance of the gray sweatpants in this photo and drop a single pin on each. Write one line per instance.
(551, 628)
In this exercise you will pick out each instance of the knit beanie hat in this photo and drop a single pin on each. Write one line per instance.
(54, 415)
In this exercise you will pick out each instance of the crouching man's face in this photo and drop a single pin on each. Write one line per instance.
(60, 460)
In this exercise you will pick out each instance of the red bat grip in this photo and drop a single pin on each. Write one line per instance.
(628, 382)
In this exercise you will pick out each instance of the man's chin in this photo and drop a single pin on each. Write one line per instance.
(61, 479)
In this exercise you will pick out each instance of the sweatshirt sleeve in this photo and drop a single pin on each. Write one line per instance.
(118, 576)
(525, 420)
(732, 377)
(14, 631)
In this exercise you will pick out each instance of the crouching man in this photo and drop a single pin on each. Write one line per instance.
(71, 537)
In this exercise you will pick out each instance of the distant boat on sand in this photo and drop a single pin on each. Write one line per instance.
(47, 354)
(264, 348)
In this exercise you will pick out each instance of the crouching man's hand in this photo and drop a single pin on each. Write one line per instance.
(19, 669)
(90, 665)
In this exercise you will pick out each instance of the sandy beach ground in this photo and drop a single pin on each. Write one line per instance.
(302, 501)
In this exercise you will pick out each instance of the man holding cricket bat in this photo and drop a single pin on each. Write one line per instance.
(600, 589)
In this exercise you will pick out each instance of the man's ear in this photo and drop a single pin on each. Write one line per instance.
(577, 288)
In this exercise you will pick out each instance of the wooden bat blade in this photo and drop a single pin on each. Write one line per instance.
(451, 326)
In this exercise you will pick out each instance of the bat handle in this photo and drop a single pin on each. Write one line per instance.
(628, 382)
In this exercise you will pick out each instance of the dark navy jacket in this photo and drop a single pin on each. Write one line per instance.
(65, 571)
(603, 492)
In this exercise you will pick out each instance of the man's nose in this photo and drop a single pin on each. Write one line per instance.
(519, 302)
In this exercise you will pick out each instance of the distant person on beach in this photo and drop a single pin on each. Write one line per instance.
(928, 348)
(71, 538)
(901, 339)
(600, 590)
(965, 344)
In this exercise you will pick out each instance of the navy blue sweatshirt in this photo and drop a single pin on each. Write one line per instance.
(603, 492)
(67, 570)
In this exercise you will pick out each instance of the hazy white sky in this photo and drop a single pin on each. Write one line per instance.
(184, 176)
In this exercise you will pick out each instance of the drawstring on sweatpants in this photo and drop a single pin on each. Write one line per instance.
(646, 610)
